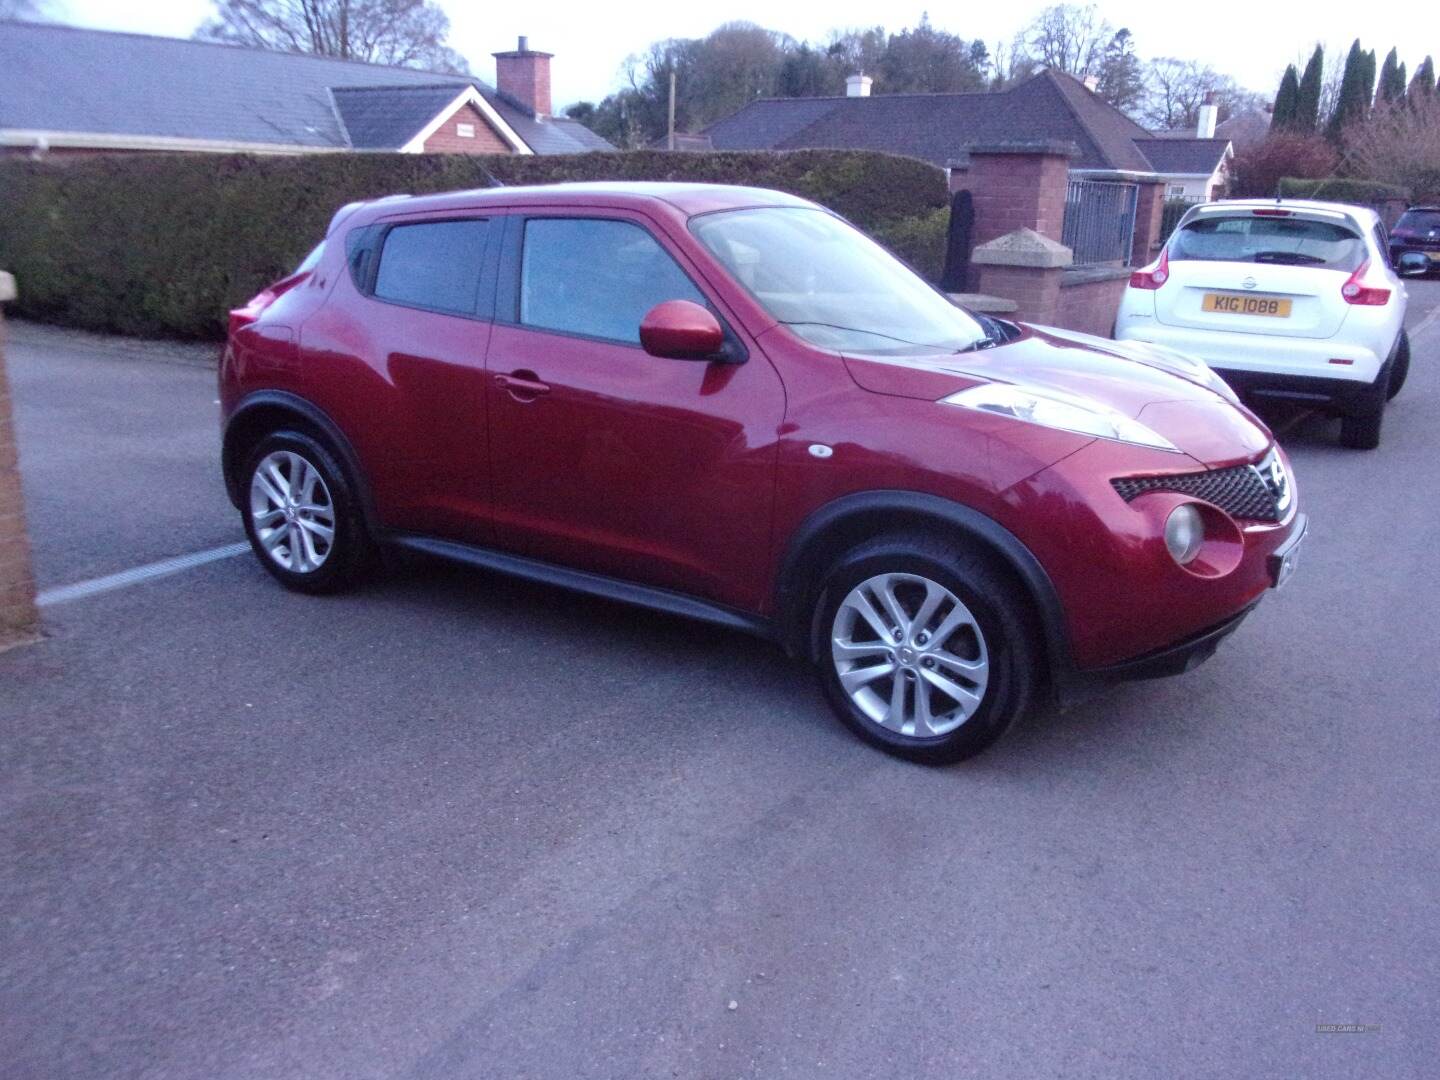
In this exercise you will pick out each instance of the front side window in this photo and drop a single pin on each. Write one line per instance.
(432, 264)
(596, 277)
(832, 285)
(1292, 241)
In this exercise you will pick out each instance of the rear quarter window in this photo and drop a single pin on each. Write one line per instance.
(1286, 241)
(432, 264)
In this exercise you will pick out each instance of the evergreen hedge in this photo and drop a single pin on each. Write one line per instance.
(166, 244)
(1342, 190)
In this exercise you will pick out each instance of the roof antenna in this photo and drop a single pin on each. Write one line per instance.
(490, 179)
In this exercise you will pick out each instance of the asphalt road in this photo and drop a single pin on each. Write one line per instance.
(458, 826)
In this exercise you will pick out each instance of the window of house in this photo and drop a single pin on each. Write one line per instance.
(432, 264)
(596, 277)
(1177, 189)
(465, 131)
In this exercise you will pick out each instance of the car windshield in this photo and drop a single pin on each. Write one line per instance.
(1290, 241)
(1419, 221)
(832, 285)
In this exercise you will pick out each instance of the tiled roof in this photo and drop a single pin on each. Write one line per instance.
(938, 127)
(1182, 157)
(384, 117)
(67, 79)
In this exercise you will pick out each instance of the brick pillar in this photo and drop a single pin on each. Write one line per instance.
(17, 586)
(1149, 210)
(1019, 185)
(1025, 267)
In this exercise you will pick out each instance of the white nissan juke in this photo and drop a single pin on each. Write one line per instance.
(1284, 299)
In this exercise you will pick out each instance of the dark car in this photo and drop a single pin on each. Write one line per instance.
(729, 404)
(1417, 230)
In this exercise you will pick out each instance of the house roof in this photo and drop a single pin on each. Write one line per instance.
(938, 127)
(1186, 157)
(1051, 106)
(64, 79)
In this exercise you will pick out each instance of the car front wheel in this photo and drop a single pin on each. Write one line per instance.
(922, 649)
(301, 515)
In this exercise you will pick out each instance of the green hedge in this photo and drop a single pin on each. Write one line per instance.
(166, 244)
(1339, 189)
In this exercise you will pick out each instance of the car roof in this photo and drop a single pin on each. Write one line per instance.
(1358, 213)
(688, 199)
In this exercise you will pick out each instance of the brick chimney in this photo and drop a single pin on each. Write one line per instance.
(858, 86)
(525, 76)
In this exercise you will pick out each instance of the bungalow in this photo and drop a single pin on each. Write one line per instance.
(1050, 106)
(75, 91)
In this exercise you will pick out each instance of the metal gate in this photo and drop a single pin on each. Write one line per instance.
(1100, 221)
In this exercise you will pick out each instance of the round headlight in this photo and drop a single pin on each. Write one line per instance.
(1184, 533)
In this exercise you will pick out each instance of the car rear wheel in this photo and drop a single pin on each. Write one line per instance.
(301, 515)
(922, 649)
(1360, 430)
(1400, 368)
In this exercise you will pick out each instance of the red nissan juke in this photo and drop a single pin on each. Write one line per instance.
(727, 403)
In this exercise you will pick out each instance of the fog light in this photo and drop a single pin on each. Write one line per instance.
(1184, 533)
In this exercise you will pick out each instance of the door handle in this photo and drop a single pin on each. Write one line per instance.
(523, 385)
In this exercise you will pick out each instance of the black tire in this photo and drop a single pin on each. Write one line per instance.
(1400, 367)
(1005, 626)
(349, 552)
(1360, 430)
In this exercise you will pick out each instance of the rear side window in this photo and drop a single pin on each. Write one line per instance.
(595, 277)
(1419, 221)
(432, 264)
(1290, 241)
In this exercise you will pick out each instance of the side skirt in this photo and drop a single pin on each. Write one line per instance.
(625, 592)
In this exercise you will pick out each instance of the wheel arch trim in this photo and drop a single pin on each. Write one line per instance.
(308, 413)
(795, 581)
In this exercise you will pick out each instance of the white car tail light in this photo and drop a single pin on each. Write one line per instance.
(1356, 292)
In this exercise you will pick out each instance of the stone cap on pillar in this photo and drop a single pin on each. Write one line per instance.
(1043, 147)
(1023, 247)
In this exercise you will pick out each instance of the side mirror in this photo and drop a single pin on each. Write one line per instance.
(681, 330)
(1413, 264)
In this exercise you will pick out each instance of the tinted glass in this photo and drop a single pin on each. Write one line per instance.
(1419, 221)
(1288, 241)
(596, 277)
(433, 264)
(833, 285)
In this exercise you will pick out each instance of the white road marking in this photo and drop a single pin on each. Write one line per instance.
(1425, 323)
(63, 594)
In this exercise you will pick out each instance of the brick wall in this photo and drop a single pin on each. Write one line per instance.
(17, 587)
(1149, 212)
(1089, 299)
(446, 140)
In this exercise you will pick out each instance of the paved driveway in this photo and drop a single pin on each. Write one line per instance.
(457, 826)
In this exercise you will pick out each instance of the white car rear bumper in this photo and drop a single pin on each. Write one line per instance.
(1311, 358)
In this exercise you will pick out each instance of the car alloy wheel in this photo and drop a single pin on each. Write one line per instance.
(292, 512)
(910, 655)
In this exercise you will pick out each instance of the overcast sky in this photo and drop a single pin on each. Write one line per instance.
(1250, 41)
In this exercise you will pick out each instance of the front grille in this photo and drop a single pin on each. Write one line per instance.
(1259, 492)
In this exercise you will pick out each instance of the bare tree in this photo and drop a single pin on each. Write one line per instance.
(1399, 144)
(1177, 88)
(1070, 38)
(402, 33)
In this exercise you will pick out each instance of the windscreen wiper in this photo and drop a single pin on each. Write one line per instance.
(1298, 258)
